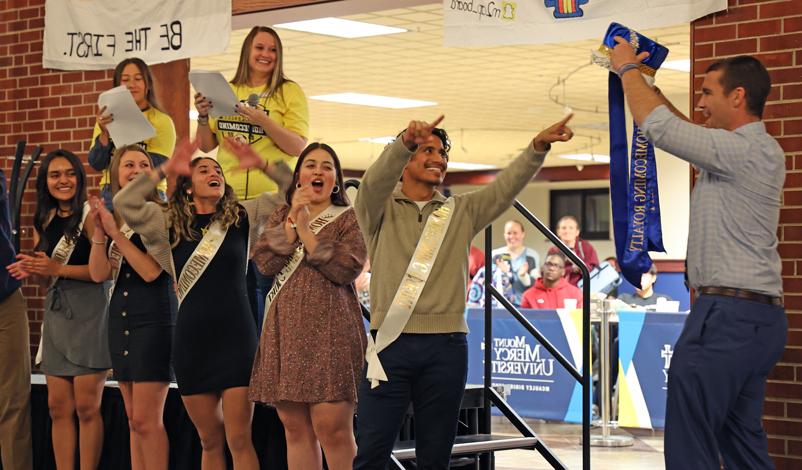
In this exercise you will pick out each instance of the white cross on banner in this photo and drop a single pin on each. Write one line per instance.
(97, 34)
(498, 23)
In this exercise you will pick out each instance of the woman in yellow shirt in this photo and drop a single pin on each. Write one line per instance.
(136, 76)
(272, 116)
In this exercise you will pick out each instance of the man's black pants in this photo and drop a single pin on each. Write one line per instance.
(716, 384)
(428, 370)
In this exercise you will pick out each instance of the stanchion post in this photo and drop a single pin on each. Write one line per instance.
(607, 438)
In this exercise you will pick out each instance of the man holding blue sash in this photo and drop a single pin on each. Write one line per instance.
(736, 330)
(418, 244)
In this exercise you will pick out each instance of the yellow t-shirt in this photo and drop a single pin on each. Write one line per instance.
(162, 143)
(288, 108)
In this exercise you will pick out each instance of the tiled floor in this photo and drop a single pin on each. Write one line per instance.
(645, 453)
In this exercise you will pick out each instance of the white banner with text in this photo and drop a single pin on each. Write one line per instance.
(497, 23)
(97, 34)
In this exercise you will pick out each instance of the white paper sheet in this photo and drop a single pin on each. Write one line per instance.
(129, 126)
(216, 89)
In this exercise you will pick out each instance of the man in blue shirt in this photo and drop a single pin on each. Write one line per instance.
(737, 328)
(15, 355)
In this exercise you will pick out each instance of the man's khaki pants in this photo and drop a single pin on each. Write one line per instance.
(15, 384)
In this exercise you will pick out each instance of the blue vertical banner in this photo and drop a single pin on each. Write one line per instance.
(645, 347)
(633, 180)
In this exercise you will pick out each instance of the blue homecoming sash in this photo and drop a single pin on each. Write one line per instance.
(633, 189)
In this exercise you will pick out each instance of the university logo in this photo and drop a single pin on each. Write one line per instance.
(566, 8)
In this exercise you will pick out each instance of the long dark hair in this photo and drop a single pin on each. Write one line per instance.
(182, 211)
(150, 95)
(243, 73)
(339, 198)
(47, 205)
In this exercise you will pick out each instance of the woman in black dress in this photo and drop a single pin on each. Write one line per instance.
(141, 316)
(74, 348)
(203, 237)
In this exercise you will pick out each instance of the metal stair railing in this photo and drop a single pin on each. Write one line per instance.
(584, 378)
(491, 397)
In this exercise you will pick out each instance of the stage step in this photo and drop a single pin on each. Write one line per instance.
(470, 445)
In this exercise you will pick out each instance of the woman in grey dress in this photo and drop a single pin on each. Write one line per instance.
(75, 354)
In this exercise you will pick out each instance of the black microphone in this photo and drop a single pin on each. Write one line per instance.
(253, 100)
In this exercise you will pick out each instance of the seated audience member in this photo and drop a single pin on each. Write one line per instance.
(551, 290)
(568, 231)
(524, 261)
(646, 295)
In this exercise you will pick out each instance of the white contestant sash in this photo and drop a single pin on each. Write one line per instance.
(61, 254)
(199, 259)
(412, 284)
(116, 257)
(329, 215)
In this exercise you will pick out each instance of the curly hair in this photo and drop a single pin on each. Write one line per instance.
(182, 212)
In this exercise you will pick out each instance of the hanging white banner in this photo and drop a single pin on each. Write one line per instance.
(496, 23)
(97, 34)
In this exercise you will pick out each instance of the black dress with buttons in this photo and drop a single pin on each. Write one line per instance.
(141, 320)
(215, 333)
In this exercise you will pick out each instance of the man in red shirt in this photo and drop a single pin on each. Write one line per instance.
(551, 290)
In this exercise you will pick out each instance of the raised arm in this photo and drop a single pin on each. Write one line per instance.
(379, 180)
(492, 200)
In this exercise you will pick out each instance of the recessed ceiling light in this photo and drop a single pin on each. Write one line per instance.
(587, 157)
(373, 100)
(341, 28)
(378, 140)
(681, 65)
(469, 166)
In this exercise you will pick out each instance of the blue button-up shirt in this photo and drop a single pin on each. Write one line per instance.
(735, 204)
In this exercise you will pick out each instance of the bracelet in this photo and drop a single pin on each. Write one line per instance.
(95, 242)
(203, 120)
(626, 68)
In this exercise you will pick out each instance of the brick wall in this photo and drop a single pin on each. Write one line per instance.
(772, 31)
(56, 109)
(52, 109)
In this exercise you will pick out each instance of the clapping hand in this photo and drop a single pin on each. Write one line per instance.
(418, 131)
(104, 220)
(39, 264)
(301, 199)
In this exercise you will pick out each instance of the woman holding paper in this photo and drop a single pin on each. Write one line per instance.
(272, 108)
(141, 315)
(74, 348)
(135, 75)
(312, 349)
(202, 239)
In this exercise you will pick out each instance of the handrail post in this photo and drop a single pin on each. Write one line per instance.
(487, 463)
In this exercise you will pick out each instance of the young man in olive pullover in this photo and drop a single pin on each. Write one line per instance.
(425, 360)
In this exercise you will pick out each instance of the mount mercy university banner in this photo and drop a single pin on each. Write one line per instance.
(494, 23)
(97, 34)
